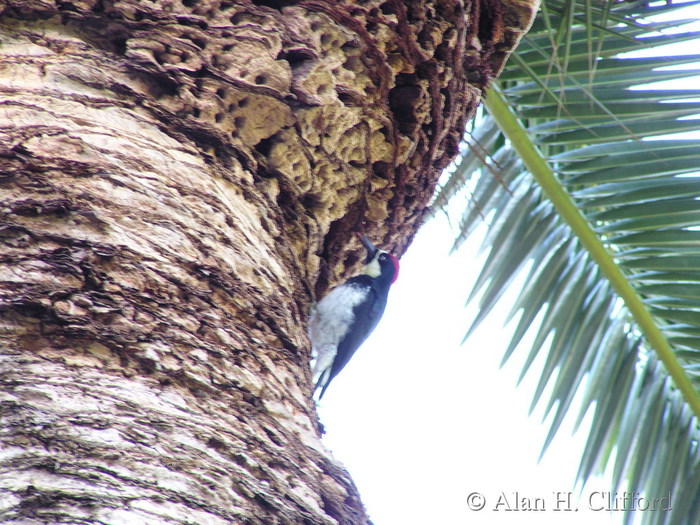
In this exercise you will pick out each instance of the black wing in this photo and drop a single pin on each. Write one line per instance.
(367, 315)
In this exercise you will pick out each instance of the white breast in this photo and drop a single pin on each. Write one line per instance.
(329, 323)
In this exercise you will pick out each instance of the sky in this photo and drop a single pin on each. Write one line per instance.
(422, 422)
(427, 426)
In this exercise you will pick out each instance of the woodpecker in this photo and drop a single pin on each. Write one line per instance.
(344, 318)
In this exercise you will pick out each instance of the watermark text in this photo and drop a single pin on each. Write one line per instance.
(567, 501)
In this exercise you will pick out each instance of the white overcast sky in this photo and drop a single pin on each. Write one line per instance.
(421, 422)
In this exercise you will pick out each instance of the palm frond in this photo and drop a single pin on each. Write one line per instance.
(588, 108)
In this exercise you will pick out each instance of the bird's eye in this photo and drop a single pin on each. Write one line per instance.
(382, 257)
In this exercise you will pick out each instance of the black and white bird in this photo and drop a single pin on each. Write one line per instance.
(344, 318)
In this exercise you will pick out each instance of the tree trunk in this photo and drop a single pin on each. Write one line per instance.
(178, 181)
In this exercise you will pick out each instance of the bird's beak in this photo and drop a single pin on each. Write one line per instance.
(371, 250)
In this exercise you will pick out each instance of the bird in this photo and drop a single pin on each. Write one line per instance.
(344, 318)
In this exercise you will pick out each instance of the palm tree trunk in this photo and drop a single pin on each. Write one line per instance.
(177, 182)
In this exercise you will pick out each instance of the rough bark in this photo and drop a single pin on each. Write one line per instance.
(178, 180)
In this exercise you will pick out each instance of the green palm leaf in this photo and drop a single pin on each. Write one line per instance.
(602, 209)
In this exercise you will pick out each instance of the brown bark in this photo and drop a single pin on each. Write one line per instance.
(178, 179)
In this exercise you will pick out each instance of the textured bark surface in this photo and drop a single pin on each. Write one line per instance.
(178, 180)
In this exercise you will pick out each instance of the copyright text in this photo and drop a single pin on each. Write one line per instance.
(515, 501)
